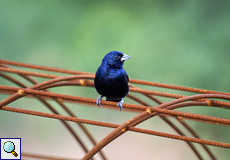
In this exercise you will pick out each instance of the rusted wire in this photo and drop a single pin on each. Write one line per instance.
(131, 110)
(193, 148)
(167, 108)
(77, 138)
(131, 106)
(28, 73)
(168, 95)
(143, 103)
(181, 88)
(142, 117)
(71, 114)
(106, 106)
(39, 157)
(163, 112)
(89, 83)
(176, 101)
(55, 111)
(41, 67)
(110, 125)
(91, 76)
(135, 81)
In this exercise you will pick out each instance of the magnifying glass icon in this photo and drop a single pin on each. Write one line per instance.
(9, 147)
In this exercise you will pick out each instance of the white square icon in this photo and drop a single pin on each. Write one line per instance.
(10, 148)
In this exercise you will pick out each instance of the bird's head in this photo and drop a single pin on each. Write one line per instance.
(115, 59)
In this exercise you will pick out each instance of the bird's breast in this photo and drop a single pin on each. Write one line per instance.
(112, 83)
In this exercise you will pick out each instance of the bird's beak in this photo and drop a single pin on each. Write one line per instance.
(125, 57)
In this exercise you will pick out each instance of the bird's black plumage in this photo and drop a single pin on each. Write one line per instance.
(111, 79)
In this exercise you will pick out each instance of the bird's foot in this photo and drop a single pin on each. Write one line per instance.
(98, 102)
(120, 104)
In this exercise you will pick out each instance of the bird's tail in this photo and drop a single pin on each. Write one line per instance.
(114, 100)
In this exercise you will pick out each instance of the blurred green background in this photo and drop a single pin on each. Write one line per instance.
(183, 43)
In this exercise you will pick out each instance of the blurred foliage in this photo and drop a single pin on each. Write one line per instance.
(176, 42)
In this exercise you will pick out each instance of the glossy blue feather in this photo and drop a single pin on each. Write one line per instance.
(111, 80)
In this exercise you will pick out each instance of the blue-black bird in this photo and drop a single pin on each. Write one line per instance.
(111, 79)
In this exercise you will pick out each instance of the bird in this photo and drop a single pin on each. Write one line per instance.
(111, 80)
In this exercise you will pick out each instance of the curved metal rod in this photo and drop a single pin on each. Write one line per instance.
(161, 116)
(152, 132)
(91, 76)
(142, 117)
(93, 141)
(161, 85)
(54, 111)
(112, 104)
(197, 153)
(51, 109)
(111, 125)
(193, 132)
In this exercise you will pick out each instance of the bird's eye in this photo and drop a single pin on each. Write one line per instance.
(116, 57)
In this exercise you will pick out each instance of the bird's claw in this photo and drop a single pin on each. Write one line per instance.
(98, 102)
(120, 104)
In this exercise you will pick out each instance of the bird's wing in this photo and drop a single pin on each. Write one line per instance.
(127, 76)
